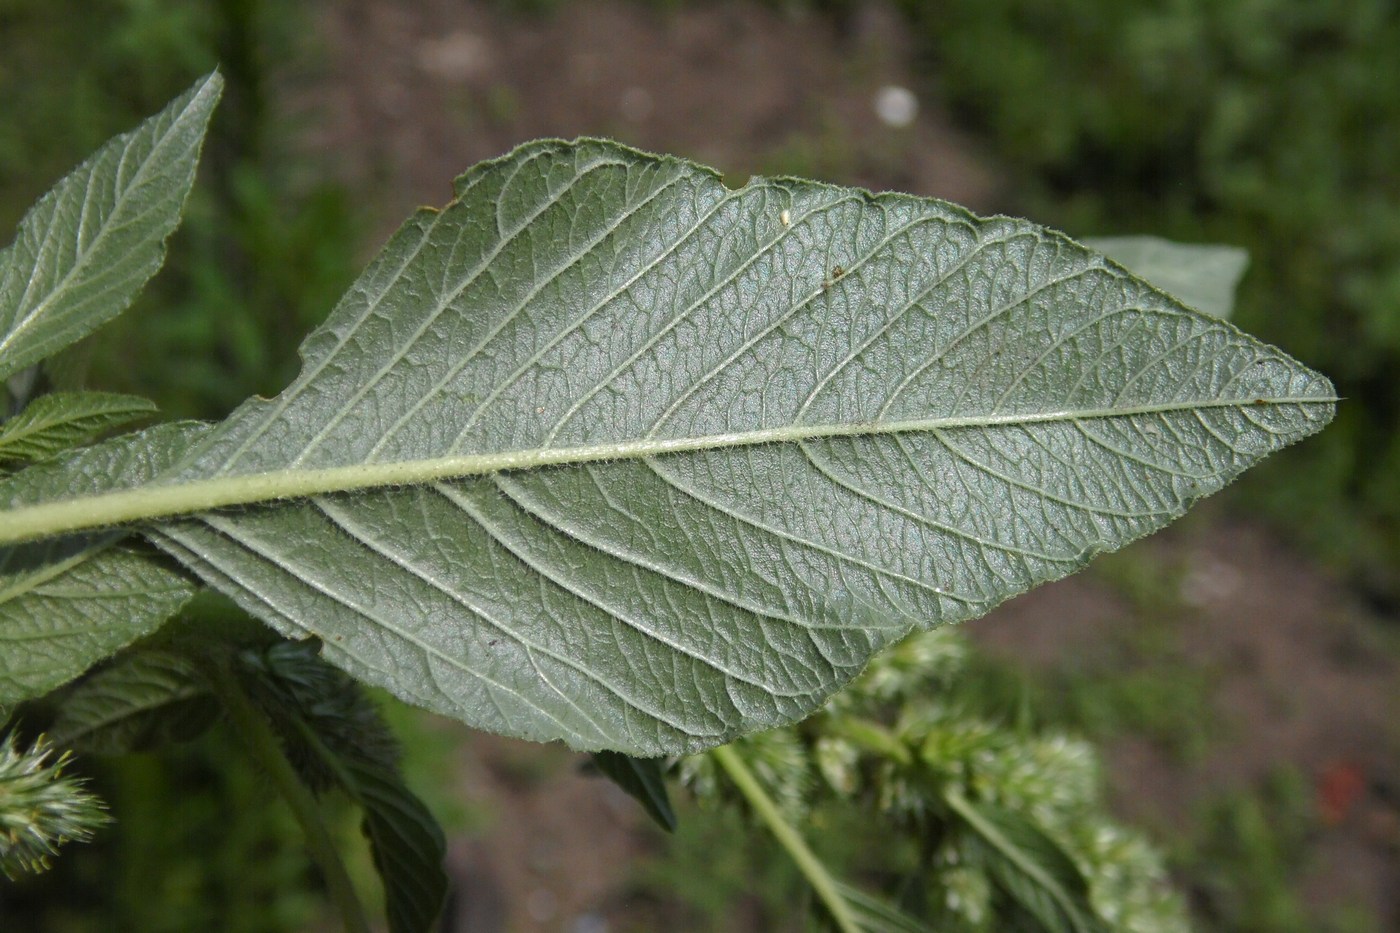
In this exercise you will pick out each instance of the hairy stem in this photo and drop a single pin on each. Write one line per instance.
(262, 744)
(789, 838)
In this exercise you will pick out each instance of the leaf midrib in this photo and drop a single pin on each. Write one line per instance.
(167, 500)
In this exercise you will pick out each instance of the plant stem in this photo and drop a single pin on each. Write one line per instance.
(789, 838)
(262, 744)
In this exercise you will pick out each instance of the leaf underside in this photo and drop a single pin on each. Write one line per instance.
(888, 413)
(67, 603)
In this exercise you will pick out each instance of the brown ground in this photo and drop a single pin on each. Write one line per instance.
(1299, 679)
(411, 94)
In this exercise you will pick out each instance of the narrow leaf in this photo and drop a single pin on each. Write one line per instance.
(1029, 867)
(406, 843)
(1201, 276)
(88, 246)
(643, 781)
(141, 702)
(56, 422)
(874, 915)
(334, 735)
(67, 603)
(606, 452)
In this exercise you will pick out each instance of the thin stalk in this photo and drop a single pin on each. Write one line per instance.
(789, 838)
(262, 744)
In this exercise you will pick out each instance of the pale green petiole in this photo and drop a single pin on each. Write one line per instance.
(168, 500)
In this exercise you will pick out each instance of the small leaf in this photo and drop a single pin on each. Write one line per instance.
(88, 246)
(67, 603)
(141, 702)
(1201, 276)
(643, 780)
(56, 422)
(406, 843)
(1028, 866)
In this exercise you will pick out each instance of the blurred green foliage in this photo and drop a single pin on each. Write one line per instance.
(1270, 124)
(266, 247)
(265, 250)
(199, 842)
(875, 777)
(1250, 850)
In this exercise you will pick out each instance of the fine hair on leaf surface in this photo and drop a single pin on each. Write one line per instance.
(600, 452)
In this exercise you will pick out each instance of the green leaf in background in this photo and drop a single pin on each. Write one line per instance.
(56, 422)
(1029, 867)
(606, 452)
(142, 701)
(643, 781)
(89, 245)
(1200, 276)
(67, 603)
(335, 736)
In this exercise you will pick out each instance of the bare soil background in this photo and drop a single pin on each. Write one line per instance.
(409, 94)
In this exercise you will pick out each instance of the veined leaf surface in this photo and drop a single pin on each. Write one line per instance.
(58, 421)
(89, 245)
(606, 452)
(144, 700)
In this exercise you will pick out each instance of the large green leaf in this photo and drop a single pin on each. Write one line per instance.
(68, 602)
(89, 245)
(607, 452)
